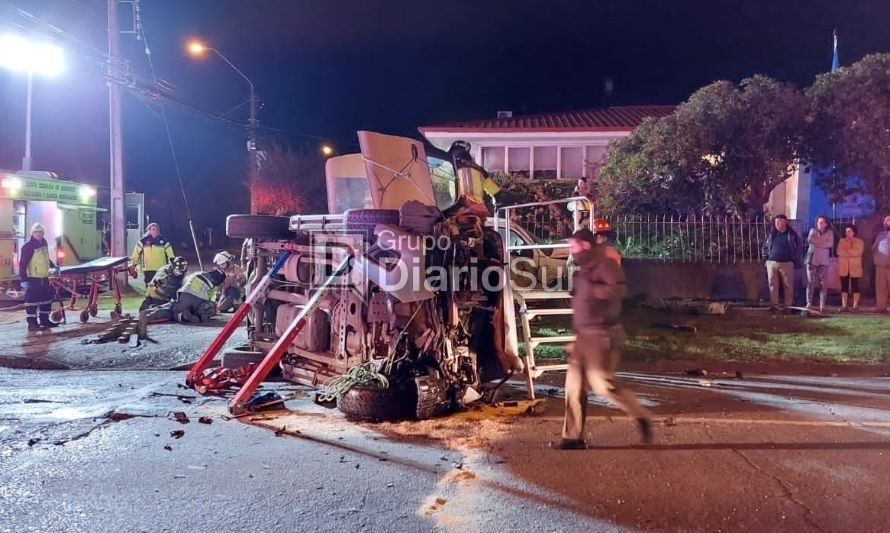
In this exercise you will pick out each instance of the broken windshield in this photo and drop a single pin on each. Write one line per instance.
(350, 193)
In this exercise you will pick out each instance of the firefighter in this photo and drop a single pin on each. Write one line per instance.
(165, 283)
(35, 267)
(194, 301)
(231, 293)
(151, 253)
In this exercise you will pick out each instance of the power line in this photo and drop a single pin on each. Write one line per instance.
(141, 29)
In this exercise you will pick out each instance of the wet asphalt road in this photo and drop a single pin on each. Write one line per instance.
(763, 453)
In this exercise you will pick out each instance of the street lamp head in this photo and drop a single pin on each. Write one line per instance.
(22, 55)
(327, 150)
(197, 48)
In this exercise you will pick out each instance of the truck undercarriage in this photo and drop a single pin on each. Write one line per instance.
(421, 301)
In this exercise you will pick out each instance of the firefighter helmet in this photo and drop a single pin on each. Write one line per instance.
(224, 260)
(179, 265)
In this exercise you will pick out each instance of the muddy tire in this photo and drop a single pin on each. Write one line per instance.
(378, 405)
(368, 218)
(257, 227)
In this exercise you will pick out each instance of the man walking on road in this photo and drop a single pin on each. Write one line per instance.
(881, 255)
(597, 290)
(782, 253)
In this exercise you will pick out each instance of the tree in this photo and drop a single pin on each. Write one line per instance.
(848, 130)
(289, 182)
(723, 150)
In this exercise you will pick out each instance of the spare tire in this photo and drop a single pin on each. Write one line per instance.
(258, 227)
(364, 218)
(369, 404)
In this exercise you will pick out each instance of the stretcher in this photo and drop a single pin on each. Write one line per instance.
(85, 282)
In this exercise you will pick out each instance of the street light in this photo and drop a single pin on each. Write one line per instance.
(21, 55)
(197, 49)
(327, 150)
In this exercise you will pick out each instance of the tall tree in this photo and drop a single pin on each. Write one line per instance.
(724, 149)
(849, 129)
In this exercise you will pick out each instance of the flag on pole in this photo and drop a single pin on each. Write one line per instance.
(835, 62)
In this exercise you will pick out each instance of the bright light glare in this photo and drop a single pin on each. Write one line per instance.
(86, 192)
(11, 182)
(22, 55)
(197, 48)
(327, 149)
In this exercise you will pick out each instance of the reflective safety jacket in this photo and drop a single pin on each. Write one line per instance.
(202, 284)
(164, 285)
(34, 262)
(152, 253)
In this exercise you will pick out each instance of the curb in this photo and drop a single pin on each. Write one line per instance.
(801, 368)
(31, 363)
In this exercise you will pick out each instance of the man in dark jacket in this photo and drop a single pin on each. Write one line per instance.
(34, 267)
(597, 289)
(782, 253)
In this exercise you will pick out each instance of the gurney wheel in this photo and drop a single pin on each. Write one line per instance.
(84, 315)
(57, 316)
(94, 310)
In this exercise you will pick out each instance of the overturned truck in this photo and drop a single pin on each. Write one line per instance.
(421, 300)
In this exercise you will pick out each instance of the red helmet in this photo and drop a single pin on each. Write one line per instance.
(601, 225)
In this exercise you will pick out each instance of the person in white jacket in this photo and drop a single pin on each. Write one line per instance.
(821, 241)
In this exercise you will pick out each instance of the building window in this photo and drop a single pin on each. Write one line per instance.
(545, 162)
(493, 158)
(571, 162)
(518, 160)
(593, 160)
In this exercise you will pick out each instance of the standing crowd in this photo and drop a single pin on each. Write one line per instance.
(783, 251)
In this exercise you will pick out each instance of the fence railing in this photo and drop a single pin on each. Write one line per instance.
(699, 239)
(675, 238)
(690, 239)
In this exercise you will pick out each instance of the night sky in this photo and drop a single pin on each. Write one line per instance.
(325, 68)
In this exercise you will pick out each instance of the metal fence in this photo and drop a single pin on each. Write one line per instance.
(690, 239)
(699, 239)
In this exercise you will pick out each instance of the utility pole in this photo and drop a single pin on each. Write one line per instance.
(26, 161)
(253, 155)
(118, 223)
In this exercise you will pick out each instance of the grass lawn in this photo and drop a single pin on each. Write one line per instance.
(743, 335)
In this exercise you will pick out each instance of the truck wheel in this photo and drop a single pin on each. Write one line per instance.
(257, 227)
(368, 218)
(242, 356)
(378, 405)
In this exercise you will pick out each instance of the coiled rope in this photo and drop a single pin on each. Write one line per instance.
(359, 375)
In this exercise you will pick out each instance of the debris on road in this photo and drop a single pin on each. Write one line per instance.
(177, 434)
(181, 417)
(205, 420)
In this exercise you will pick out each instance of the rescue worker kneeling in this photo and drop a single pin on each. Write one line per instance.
(166, 282)
(232, 291)
(194, 300)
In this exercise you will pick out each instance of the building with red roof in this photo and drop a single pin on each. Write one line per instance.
(567, 145)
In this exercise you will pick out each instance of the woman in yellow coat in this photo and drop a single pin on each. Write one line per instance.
(849, 253)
